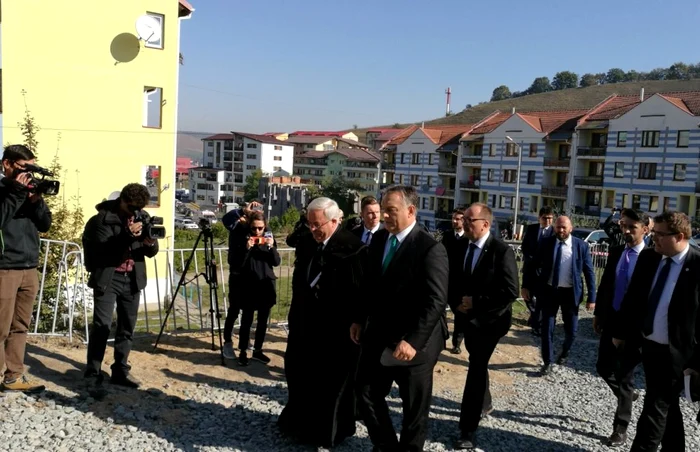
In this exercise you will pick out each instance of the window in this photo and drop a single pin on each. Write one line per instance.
(401, 177)
(667, 203)
(647, 171)
(595, 169)
(251, 145)
(414, 180)
(683, 139)
(425, 202)
(152, 107)
(403, 158)
(276, 168)
(152, 181)
(625, 198)
(309, 146)
(492, 153)
(510, 150)
(251, 167)
(609, 198)
(679, 171)
(531, 177)
(599, 140)
(502, 202)
(636, 202)
(650, 139)
(621, 139)
(277, 158)
(278, 148)
(218, 146)
(210, 144)
(653, 203)
(430, 181)
(619, 169)
(493, 201)
(521, 205)
(564, 151)
(251, 156)
(533, 149)
(228, 145)
(489, 175)
(562, 179)
(155, 41)
(509, 176)
(431, 159)
(415, 159)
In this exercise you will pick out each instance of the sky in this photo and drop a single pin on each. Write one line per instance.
(271, 66)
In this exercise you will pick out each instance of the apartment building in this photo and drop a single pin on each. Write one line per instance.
(315, 133)
(240, 155)
(279, 194)
(376, 138)
(357, 164)
(307, 143)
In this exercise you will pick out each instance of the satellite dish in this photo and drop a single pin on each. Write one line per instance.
(148, 28)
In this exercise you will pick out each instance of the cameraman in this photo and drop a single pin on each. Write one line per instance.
(22, 216)
(115, 252)
(611, 226)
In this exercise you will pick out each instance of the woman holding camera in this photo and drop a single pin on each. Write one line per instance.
(258, 290)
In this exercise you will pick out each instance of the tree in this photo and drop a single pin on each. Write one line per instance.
(468, 106)
(285, 223)
(615, 75)
(252, 185)
(342, 191)
(540, 85)
(501, 93)
(678, 71)
(633, 76)
(656, 74)
(601, 78)
(588, 80)
(565, 80)
(694, 70)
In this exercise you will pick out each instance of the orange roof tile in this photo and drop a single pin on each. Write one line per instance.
(677, 102)
(403, 136)
(490, 124)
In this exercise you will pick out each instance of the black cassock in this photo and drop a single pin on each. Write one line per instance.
(321, 361)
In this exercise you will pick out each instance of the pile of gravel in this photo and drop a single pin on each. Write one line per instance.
(571, 410)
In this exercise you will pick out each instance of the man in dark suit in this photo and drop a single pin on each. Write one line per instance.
(370, 219)
(486, 283)
(660, 313)
(455, 243)
(534, 234)
(556, 278)
(407, 274)
(617, 367)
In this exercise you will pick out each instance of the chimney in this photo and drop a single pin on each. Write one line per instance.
(641, 95)
(512, 112)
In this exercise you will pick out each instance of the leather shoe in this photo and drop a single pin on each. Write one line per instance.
(466, 442)
(563, 358)
(618, 438)
(125, 380)
(546, 370)
(486, 411)
(456, 350)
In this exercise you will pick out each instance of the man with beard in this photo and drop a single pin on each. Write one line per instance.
(321, 360)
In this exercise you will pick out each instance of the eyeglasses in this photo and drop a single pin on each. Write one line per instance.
(256, 228)
(663, 234)
(317, 226)
(472, 220)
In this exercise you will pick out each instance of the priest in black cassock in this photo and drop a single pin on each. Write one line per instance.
(321, 360)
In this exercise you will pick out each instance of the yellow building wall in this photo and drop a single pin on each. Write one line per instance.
(84, 72)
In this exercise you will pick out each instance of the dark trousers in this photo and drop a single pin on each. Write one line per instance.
(122, 291)
(535, 308)
(260, 329)
(616, 366)
(415, 388)
(661, 420)
(552, 301)
(234, 295)
(459, 324)
(477, 391)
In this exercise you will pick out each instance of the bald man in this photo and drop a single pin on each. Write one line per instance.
(560, 265)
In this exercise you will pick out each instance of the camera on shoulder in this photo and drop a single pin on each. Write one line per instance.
(41, 185)
(152, 226)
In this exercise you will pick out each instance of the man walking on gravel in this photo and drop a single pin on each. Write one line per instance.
(615, 366)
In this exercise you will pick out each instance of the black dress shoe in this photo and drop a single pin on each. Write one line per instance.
(546, 370)
(466, 442)
(456, 350)
(563, 358)
(125, 380)
(617, 439)
(486, 411)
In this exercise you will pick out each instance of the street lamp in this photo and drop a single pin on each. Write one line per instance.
(517, 184)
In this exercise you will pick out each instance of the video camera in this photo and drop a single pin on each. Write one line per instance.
(152, 226)
(41, 186)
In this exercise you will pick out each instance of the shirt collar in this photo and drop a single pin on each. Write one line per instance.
(680, 257)
(482, 241)
(638, 248)
(460, 234)
(568, 241)
(373, 230)
(403, 234)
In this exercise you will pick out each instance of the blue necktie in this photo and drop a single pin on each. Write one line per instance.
(655, 297)
(557, 264)
(622, 277)
(469, 261)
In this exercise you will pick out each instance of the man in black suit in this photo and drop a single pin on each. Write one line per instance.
(370, 219)
(534, 234)
(407, 274)
(455, 243)
(486, 281)
(617, 367)
(660, 313)
(556, 276)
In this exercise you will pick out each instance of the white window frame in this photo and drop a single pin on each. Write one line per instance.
(160, 43)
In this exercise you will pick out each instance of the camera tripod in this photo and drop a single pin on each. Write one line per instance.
(211, 279)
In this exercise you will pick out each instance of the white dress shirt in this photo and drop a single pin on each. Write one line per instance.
(477, 252)
(400, 237)
(365, 234)
(566, 264)
(660, 332)
(458, 235)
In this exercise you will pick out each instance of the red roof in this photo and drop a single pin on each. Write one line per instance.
(183, 164)
(490, 124)
(311, 133)
(549, 121)
(616, 106)
(219, 136)
(353, 154)
(263, 138)
(438, 134)
(385, 130)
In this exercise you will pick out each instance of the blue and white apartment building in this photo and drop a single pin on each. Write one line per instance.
(628, 151)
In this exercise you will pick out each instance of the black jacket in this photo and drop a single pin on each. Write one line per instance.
(105, 241)
(20, 224)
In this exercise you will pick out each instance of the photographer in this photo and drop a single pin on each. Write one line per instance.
(115, 252)
(257, 293)
(22, 216)
(611, 226)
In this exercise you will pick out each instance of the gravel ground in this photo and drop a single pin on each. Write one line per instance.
(570, 410)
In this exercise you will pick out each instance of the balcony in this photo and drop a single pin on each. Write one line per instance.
(596, 181)
(228, 156)
(445, 168)
(469, 184)
(448, 193)
(585, 151)
(556, 163)
(591, 211)
(389, 166)
(697, 187)
(471, 159)
(442, 215)
(554, 191)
